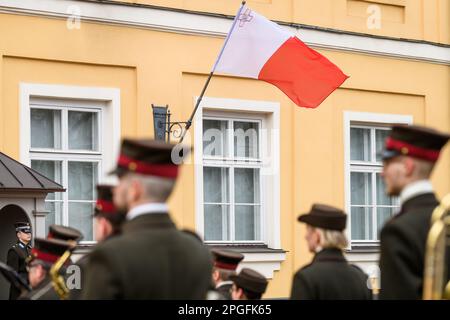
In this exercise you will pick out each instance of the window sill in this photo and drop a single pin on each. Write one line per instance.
(364, 247)
(258, 257)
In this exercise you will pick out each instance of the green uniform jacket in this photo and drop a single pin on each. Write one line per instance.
(403, 241)
(152, 259)
(44, 291)
(16, 259)
(224, 290)
(330, 277)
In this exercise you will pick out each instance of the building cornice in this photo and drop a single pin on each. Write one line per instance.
(217, 25)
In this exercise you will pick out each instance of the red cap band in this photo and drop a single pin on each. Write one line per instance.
(105, 206)
(159, 170)
(413, 151)
(223, 265)
(44, 256)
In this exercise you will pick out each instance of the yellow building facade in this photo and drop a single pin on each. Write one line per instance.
(108, 61)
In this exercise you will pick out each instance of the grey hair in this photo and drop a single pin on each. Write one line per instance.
(332, 239)
(155, 188)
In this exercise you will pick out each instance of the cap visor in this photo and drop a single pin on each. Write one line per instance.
(387, 154)
(117, 172)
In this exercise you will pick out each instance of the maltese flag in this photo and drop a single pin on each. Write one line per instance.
(259, 48)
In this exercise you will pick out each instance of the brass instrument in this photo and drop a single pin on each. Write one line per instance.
(58, 281)
(438, 240)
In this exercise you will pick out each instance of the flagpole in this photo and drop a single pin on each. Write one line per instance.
(189, 121)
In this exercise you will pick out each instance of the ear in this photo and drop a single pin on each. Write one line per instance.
(137, 189)
(410, 166)
(41, 273)
(240, 293)
(215, 275)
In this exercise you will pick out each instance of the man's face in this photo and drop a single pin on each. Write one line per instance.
(24, 237)
(394, 174)
(36, 274)
(103, 228)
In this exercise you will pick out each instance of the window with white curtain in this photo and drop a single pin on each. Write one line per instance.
(65, 147)
(370, 207)
(232, 180)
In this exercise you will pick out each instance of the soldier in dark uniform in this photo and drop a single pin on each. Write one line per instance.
(225, 264)
(248, 285)
(108, 224)
(409, 157)
(151, 259)
(18, 254)
(329, 276)
(44, 254)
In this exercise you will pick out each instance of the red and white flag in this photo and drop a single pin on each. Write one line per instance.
(259, 48)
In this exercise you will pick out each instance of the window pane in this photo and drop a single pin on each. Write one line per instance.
(80, 217)
(361, 223)
(55, 213)
(45, 128)
(215, 185)
(83, 130)
(247, 223)
(382, 198)
(246, 137)
(361, 188)
(360, 145)
(215, 142)
(380, 137)
(383, 214)
(216, 222)
(51, 170)
(246, 185)
(82, 180)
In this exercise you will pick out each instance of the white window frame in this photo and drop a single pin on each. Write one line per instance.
(107, 103)
(366, 119)
(269, 114)
(231, 162)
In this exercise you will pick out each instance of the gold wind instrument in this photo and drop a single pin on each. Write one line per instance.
(436, 255)
(58, 281)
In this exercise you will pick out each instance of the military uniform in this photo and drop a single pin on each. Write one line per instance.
(403, 238)
(403, 241)
(105, 208)
(251, 282)
(329, 276)
(45, 253)
(17, 256)
(227, 261)
(151, 259)
(44, 291)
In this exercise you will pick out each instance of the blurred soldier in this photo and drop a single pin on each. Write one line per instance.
(329, 276)
(408, 159)
(44, 254)
(151, 259)
(108, 220)
(18, 254)
(108, 223)
(14, 279)
(64, 233)
(225, 264)
(248, 285)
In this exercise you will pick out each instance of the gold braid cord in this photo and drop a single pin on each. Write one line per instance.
(58, 281)
(435, 272)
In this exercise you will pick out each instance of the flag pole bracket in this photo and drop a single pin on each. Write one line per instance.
(164, 128)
